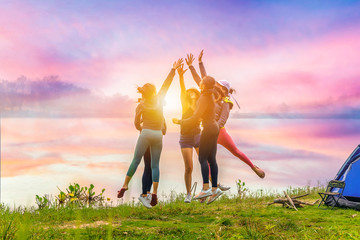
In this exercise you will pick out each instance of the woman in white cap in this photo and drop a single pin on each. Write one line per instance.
(224, 105)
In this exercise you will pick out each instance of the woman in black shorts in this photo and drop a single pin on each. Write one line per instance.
(189, 133)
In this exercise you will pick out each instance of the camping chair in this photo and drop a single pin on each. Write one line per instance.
(325, 195)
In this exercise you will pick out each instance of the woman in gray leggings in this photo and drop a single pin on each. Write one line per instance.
(150, 113)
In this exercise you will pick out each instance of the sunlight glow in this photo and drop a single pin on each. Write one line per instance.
(172, 102)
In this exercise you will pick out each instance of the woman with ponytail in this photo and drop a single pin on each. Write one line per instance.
(149, 112)
(145, 197)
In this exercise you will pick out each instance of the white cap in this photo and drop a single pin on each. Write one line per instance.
(225, 84)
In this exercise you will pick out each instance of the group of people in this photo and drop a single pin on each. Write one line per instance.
(211, 107)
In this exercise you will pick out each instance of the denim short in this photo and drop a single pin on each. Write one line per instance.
(189, 141)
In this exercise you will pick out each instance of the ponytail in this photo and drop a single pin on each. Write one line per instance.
(140, 89)
(147, 91)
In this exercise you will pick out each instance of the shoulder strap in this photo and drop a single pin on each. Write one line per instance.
(227, 100)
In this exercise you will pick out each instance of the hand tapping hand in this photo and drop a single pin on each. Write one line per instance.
(181, 70)
(178, 63)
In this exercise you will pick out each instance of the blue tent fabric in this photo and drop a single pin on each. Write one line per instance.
(353, 156)
(343, 203)
(350, 173)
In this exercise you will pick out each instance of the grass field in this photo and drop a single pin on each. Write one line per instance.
(247, 217)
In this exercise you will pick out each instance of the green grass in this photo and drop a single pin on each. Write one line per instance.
(227, 218)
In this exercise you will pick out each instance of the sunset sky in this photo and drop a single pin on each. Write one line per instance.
(297, 55)
(281, 57)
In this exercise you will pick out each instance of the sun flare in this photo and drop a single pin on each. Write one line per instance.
(172, 102)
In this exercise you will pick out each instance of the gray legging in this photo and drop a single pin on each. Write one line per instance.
(148, 138)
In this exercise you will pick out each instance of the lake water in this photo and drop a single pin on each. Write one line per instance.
(39, 155)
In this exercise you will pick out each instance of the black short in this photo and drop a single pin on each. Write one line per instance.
(192, 141)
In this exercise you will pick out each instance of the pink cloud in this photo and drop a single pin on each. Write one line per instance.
(293, 73)
(280, 70)
(16, 166)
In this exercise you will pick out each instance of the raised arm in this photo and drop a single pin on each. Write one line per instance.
(189, 60)
(181, 73)
(224, 115)
(199, 111)
(201, 65)
(165, 87)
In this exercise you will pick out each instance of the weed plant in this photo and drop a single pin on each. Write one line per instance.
(245, 215)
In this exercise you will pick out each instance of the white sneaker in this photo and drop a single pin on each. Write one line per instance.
(214, 195)
(149, 197)
(223, 188)
(187, 198)
(203, 194)
(145, 201)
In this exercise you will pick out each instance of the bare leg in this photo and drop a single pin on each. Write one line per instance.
(126, 182)
(144, 195)
(187, 156)
(197, 151)
(155, 187)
